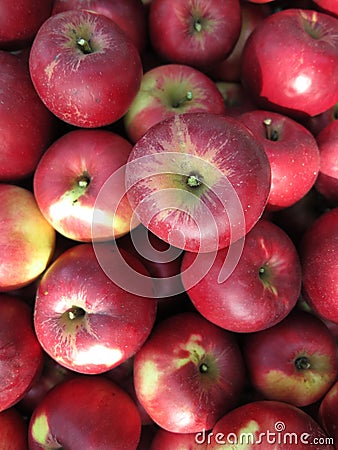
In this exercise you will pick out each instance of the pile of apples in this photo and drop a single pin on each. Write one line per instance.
(168, 224)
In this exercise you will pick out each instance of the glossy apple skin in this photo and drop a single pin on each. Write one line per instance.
(247, 301)
(289, 71)
(293, 156)
(94, 404)
(328, 6)
(224, 154)
(95, 155)
(162, 93)
(27, 240)
(173, 33)
(13, 430)
(170, 382)
(273, 424)
(318, 249)
(130, 15)
(327, 181)
(20, 21)
(112, 324)
(327, 413)
(26, 125)
(87, 90)
(272, 359)
(21, 354)
(166, 440)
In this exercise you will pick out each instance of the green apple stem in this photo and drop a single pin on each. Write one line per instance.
(302, 363)
(186, 98)
(204, 368)
(198, 25)
(194, 180)
(84, 45)
(75, 312)
(270, 133)
(83, 180)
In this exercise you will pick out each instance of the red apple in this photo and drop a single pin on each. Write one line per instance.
(197, 33)
(89, 412)
(83, 319)
(166, 440)
(294, 361)
(21, 356)
(318, 250)
(199, 181)
(69, 178)
(293, 155)
(327, 181)
(328, 6)
(85, 68)
(20, 21)
(167, 90)
(260, 291)
(27, 240)
(237, 100)
(13, 430)
(129, 15)
(26, 125)
(188, 373)
(290, 62)
(327, 414)
(267, 424)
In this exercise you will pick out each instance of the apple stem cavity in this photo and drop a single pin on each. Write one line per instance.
(187, 98)
(84, 45)
(270, 133)
(302, 363)
(194, 180)
(75, 312)
(203, 368)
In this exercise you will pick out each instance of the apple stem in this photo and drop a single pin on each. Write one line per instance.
(194, 180)
(270, 134)
(204, 368)
(75, 312)
(188, 97)
(84, 180)
(198, 25)
(84, 45)
(302, 363)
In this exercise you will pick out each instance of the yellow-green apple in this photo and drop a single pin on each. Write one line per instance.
(83, 319)
(69, 177)
(170, 89)
(85, 412)
(293, 155)
(327, 413)
(20, 21)
(294, 361)
(27, 240)
(26, 125)
(129, 15)
(261, 290)
(191, 381)
(302, 79)
(197, 33)
(266, 424)
(318, 250)
(13, 430)
(199, 181)
(21, 355)
(85, 68)
(327, 180)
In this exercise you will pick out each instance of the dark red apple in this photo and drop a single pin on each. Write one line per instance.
(199, 181)
(166, 440)
(85, 68)
(13, 430)
(327, 414)
(188, 373)
(262, 288)
(197, 33)
(294, 361)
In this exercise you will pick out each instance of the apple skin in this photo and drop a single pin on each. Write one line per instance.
(13, 430)
(129, 15)
(293, 155)
(237, 100)
(232, 174)
(94, 404)
(85, 87)
(328, 6)
(294, 361)
(21, 354)
(27, 240)
(20, 21)
(198, 376)
(327, 413)
(166, 440)
(268, 424)
(318, 249)
(198, 33)
(69, 178)
(262, 289)
(327, 181)
(302, 80)
(26, 125)
(90, 327)
(167, 90)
